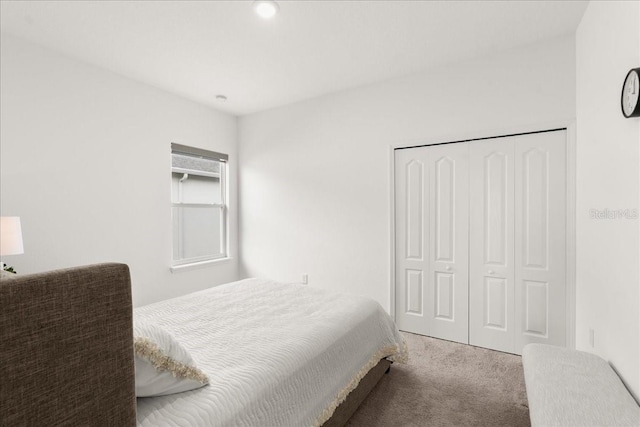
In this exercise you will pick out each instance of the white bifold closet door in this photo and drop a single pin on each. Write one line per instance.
(432, 219)
(480, 241)
(491, 241)
(517, 241)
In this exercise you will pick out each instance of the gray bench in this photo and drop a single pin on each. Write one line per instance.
(573, 388)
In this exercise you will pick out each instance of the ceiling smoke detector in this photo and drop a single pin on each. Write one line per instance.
(267, 9)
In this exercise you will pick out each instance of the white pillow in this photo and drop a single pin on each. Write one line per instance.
(162, 365)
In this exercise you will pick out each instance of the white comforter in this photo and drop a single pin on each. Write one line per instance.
(276, 354)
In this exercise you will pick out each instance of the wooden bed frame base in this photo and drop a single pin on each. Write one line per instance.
(357, 396)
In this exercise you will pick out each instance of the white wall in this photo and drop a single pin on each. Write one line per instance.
(85, 162)
(608, 283)
(314, 180)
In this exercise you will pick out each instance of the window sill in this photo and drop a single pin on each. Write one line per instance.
(201, 264)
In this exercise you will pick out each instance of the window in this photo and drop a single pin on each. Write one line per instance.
(199, 205)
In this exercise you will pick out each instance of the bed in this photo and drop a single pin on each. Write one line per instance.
(275, 354)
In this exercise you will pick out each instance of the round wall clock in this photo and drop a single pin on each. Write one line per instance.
(629, 100)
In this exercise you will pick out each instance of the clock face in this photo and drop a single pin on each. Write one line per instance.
(630, 93)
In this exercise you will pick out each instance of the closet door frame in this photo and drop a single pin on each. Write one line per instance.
(570, 129)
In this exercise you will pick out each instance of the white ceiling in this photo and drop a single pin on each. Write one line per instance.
(199, 49)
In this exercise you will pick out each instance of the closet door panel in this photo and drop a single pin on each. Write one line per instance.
(540, 246)
(412, 234)
(448, 230)
(480, 241)
(491, 239)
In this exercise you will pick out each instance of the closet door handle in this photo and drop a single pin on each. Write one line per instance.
(448, 268)
(490, 272)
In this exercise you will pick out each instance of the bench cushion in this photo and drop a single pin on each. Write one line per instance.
(572, 388)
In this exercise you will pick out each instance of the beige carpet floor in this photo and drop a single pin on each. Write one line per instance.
(448, 384)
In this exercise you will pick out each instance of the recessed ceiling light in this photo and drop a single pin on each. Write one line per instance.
(221, 98)
(267, 9)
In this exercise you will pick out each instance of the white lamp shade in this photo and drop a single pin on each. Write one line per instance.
(10, 236)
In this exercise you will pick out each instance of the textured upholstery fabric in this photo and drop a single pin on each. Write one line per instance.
(66, 348)
(572, 388)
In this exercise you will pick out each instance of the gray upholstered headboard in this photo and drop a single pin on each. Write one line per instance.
(66, 348)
